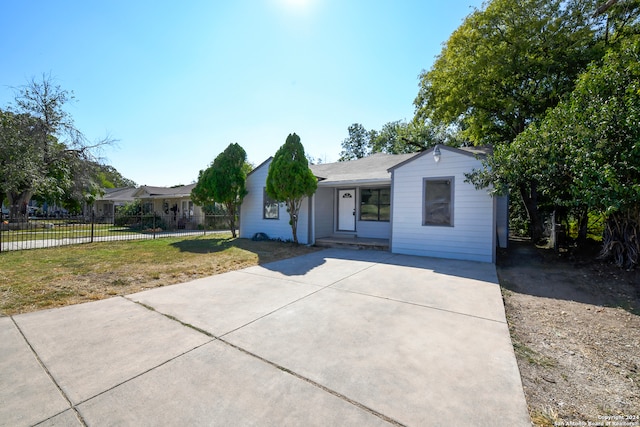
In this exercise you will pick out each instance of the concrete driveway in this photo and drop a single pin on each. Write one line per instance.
(337, 337)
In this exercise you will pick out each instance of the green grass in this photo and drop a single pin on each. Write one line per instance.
(42, 278)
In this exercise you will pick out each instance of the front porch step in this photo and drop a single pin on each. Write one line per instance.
(350, 242)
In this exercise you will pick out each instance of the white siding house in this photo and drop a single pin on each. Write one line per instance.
(466, 229)
(420, 206)
(259, 215)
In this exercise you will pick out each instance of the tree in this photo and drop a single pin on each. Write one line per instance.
(504, 67)
(54, 153)
(593, 140)
(20, 163)
(400, 137)
(357, 145)
(290, 180)
(224, 182)
(109, 177)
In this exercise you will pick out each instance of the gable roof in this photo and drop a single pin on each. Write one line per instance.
(475, 152)
(164, 192)
(375, 168)
(372, 169)
(119, 194)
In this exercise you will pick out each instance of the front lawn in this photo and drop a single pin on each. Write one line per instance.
(44, 278)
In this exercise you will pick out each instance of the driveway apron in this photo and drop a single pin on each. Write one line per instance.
(335, 337)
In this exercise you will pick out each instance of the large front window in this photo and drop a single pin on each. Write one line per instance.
(438, 201)
(375, 204)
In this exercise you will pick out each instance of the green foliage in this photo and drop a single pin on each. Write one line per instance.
(585, 154)
(400, 137)
(108, 177)
(502, 70)
(224, 182)
(396, 137)
(357, 145)
(42, 153)
(131, 215)
(506, 65)
(290, 180)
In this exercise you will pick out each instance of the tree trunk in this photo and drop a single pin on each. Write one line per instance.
(583, 226)
(530, 200)
(231, 212)
(293, 207)
(621, 240)
(18, 205)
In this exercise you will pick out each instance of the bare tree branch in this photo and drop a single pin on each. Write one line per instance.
(602, 9)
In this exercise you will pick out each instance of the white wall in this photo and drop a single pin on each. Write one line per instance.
(373, 229)
(251, 215)
(471, 237)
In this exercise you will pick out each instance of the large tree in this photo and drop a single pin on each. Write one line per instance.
(224, 182)
(397, 137)
(290, 180)
(401, 137)
(110, 177)
(56, 155)
(585, 154)
(504, 67)
(357, 145)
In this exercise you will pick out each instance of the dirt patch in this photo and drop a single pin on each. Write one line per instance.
(575, 327)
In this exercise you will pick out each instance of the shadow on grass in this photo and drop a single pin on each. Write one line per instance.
(206, 244)
(266, 251)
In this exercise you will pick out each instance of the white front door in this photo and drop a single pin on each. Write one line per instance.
(347, 210)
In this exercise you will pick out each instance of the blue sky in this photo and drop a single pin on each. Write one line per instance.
(176, 82)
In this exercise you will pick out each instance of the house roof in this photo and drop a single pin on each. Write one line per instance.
(373, 169)
(164, 192)
(477, 152)
(118, 194)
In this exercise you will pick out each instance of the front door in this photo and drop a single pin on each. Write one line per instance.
(347, 210)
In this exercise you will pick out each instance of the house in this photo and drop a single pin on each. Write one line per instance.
(173, 204)
(419, 203)
(104, 207)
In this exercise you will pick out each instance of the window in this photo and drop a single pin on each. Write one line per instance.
(438, 201)
(270, 207)
(375, 204)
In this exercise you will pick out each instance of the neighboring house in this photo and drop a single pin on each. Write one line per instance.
(173, 204)
(105, 206)
(421, 206)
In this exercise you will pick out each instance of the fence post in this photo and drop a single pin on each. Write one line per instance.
(93, 217)
(154, 225)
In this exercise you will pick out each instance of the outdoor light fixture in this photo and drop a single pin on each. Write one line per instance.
(436, 154)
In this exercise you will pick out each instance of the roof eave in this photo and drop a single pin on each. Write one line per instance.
(356, 182)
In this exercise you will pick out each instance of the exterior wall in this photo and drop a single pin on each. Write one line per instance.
(472, 235)
(502, 220)
(324, 215)
(158, 208)
(251, 212)
(373, 229)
